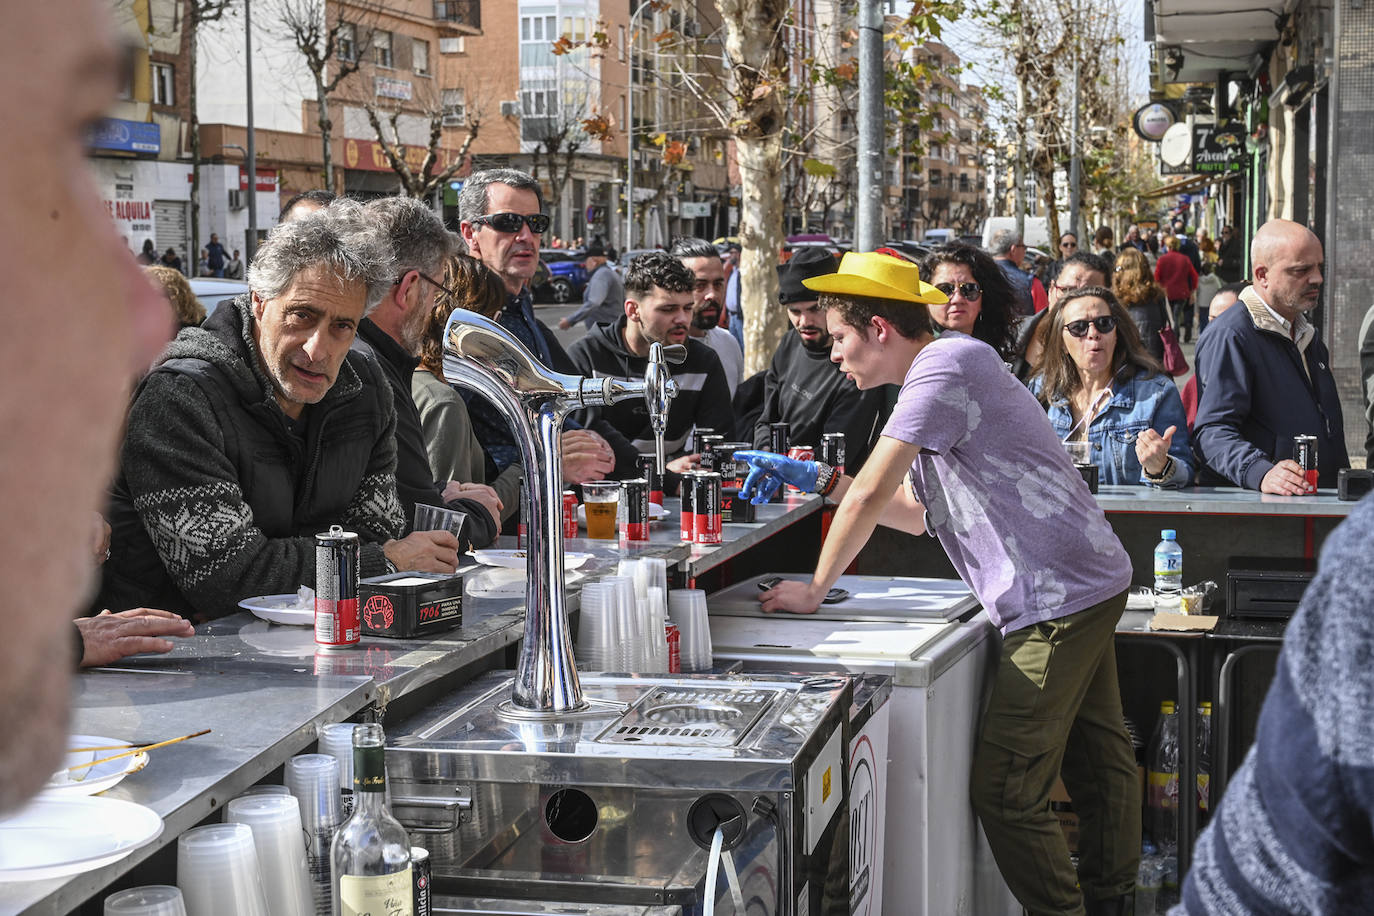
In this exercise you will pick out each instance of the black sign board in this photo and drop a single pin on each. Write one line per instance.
(1218, 150)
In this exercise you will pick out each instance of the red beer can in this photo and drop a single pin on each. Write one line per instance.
(634, 510)
(832, 451)
(569, 514)
(706, 512)
(687, 525)
(1305, 454)
(674, 637)
(799, 453)
(708, 451)
(337, 554)
(648, 469)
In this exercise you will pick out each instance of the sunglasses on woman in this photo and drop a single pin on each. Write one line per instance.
(1105, 324)
(511, 222)
(970, 291)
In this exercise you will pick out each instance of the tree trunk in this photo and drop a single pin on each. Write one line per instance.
(760, 231)
(326, 128)
(193, 24)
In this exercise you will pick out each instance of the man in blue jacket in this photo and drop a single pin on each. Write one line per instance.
(1267, 378)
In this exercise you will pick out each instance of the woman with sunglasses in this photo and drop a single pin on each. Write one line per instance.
(1093, 354)
(980, 298)
(1134, 285)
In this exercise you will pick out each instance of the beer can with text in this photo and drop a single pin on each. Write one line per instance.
(634, 510)
(420, 880)
(337, 554)
(709, 443)
(832, 451)
(1305, 454)
(648, 469)
(687, 526)
(799, 453)
(732, 470)
(569, 514)
(779, 437)
(674, 637)
(706, 494)
(698, 433)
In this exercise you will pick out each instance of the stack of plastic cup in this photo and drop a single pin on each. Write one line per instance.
(265, 790)
(314, 780)
(598, 638)
(153, 900)
(337, 741)
(622, 588)
(218, 873)
(276, 824)
(657, 618)
(687, 609)
(657, 572)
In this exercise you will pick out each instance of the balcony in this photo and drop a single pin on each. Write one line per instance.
(463, 16)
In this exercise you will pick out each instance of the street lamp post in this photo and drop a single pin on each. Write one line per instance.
(630, 133)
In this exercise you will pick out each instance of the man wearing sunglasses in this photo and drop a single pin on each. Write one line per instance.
(501, 220)
(392, 334)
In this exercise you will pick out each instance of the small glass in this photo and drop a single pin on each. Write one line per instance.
(438, 518)
(600, 499)
(1080, 452)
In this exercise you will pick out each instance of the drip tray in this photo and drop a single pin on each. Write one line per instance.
(691, 717)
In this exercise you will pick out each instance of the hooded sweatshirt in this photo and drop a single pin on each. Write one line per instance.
(219, 494)
(703, 395)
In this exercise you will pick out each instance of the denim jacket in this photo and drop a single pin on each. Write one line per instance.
(1143, 401)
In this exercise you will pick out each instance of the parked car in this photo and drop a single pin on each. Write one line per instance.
(211, 291)
(567, 278)
(913, 250)
(623, 262)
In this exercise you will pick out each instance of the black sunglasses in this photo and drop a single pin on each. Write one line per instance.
(970, 290)
(1105, 324)
(1068, 244)
(511, 222)
(428, 279)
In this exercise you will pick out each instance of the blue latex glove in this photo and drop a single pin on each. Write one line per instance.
(769, 471)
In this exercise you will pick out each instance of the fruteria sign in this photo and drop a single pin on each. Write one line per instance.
(1218, 150)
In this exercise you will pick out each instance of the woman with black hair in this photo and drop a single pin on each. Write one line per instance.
(980, 298)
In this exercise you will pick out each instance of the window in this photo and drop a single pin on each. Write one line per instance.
(540, 103)
(455, 108)
(451, 45)
(621, 43)
(538, 28)
(164, 84)
(381, 48)
(346, 40)
(419, 57)
(964, 184)
(935, 179)
(624, 112)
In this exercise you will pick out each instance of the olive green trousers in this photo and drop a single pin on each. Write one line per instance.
(1056, 707)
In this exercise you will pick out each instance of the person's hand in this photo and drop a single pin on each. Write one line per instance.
(108, 637)
(770, 471)
(100, 539)
(586, 456)
(1285, 479)
(792, 597)
(1153, 449)
(479, 492)
(564, 324)
(424, 551)
(684, 463)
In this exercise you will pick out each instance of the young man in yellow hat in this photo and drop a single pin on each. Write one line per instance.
(969, 456)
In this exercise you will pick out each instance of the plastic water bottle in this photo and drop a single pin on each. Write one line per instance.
(1149, 880)
(1168, 572)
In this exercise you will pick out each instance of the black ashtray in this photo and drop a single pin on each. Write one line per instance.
(735, 508)
(1089, 473)
(406, 604)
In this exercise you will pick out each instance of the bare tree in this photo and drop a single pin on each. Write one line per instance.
(333, 51)
(199, 12)
(422, 180)
(561, 137)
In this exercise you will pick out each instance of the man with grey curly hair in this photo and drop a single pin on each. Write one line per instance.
(261, 428)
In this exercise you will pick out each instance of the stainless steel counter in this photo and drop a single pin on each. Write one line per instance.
(1218, 501)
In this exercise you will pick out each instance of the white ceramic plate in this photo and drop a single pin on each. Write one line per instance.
(516, 559)
(656, 512)
(90, 780)
(57, 836)
(281, 609)
(292, 642)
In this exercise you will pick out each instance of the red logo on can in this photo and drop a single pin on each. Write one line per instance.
(674, 636)
(379, 613)
(569, 514)
(800, 453)
(336, 623)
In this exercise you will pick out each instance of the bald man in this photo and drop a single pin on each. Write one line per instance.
(1266, 377)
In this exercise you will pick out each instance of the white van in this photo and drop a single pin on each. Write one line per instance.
(1037, 232)
(940, 236)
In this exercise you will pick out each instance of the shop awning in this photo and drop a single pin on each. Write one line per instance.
(1182, 185)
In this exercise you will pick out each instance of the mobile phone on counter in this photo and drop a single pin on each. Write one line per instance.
(834, 596)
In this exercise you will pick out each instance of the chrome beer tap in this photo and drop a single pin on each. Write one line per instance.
(481, 355)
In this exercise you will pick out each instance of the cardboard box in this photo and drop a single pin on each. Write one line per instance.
(407, 604)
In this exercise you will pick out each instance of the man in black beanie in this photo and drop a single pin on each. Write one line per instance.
(802, 386)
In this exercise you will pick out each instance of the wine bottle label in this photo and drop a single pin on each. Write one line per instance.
(376, 895)
(369, 769)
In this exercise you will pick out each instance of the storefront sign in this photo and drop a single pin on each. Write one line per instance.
(1152, 120)
(1218, 150)
(1176, 151)
(695, 210)
(125, 136)
(393, 89)
(267, 179)
(368, 156)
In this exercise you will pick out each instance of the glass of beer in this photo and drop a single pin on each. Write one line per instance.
(599, 500)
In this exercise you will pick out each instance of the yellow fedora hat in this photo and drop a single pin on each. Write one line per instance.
(881, 276)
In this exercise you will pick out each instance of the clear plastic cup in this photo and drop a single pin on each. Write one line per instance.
(336, 740)
(153, 900)
(277, 835)
(265, 790)
(600, 500)
(218, 871)
(314, 780)
(596, 633)
(687, 609)
(1079, 452)
(439, 518)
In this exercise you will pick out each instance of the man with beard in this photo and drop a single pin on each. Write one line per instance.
(392, 333)
(658, 308)
(802, 386)
(708, 299)
(1267, 378)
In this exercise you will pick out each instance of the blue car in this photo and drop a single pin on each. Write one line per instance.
(567, 278)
